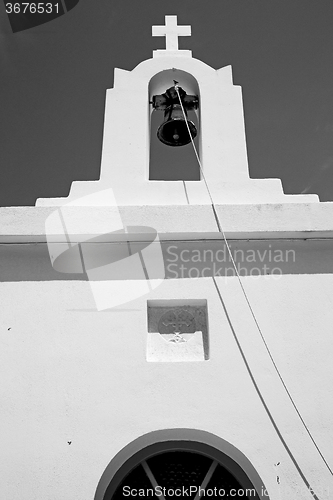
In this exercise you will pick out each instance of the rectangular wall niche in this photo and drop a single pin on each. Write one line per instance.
(177, 330)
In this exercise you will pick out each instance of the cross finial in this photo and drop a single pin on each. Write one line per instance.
(171, 31)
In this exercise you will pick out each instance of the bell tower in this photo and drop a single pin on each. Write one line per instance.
(220, 141)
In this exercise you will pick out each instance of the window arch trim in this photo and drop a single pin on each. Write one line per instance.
(179, 439)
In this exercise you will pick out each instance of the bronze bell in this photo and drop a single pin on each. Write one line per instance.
(174, 131)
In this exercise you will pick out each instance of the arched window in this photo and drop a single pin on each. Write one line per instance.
(180, 468)
(167, 163)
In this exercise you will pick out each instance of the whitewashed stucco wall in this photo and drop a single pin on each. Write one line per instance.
(72, 374)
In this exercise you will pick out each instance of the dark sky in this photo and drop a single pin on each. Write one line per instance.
(54, 76)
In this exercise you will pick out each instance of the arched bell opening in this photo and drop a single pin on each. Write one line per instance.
(172, 458)
(171, 153)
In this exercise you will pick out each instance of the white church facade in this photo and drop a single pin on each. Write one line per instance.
(166, 330)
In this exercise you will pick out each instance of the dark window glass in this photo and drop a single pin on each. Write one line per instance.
(177, 469)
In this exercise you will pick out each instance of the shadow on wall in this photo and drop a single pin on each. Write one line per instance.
(187, 259)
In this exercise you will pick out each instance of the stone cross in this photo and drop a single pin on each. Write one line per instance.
(171, 31)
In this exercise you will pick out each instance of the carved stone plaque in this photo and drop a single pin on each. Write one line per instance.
(177, 321)
(177, 330)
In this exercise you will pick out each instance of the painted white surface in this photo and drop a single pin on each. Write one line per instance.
(304, 220)
(161, 349)
(171, 31)
(70, 373)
